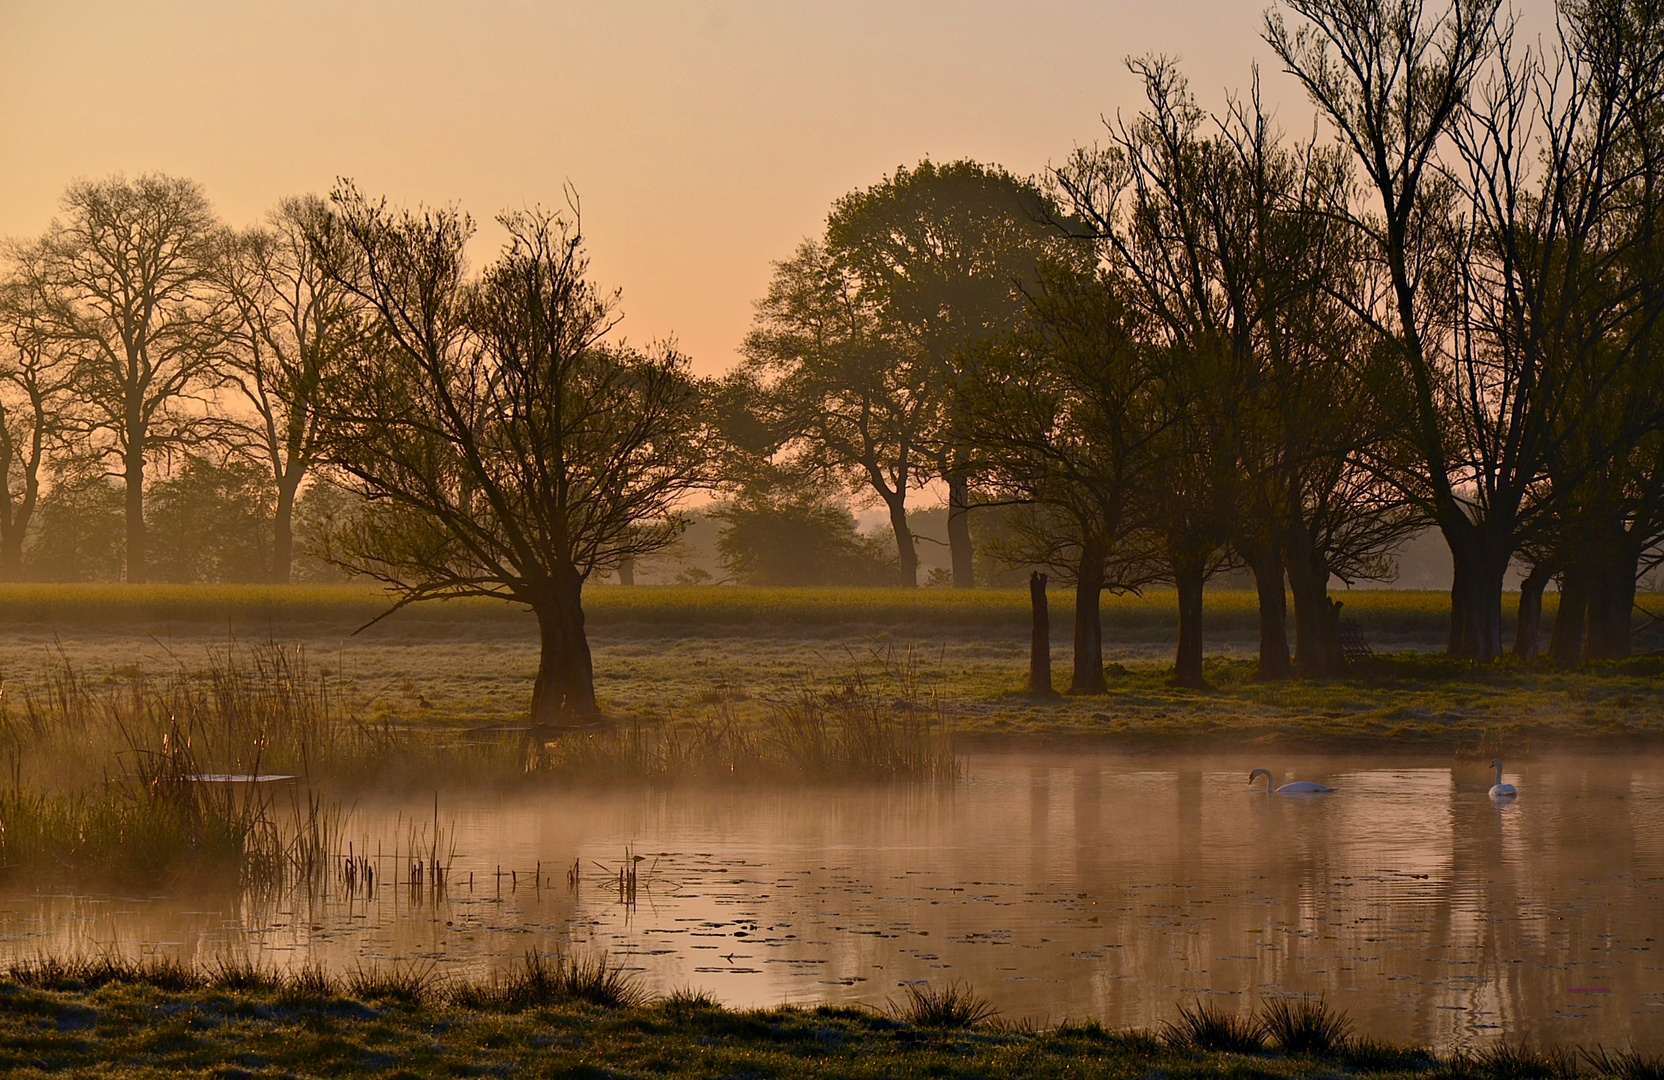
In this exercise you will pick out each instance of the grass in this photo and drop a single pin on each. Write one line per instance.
(123, 1019)
(703, 678)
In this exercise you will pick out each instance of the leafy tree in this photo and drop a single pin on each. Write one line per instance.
(792, 535)
(504, 447)
(840, 398)
(212, 522)
(80, 529)
(943, 255)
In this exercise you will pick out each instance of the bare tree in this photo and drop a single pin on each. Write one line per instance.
(296, 328)
(35, 407)
(505, 448)
(129, 294)
(1393, 78)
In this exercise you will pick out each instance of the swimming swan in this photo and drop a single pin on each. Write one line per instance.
(1499, 790)
(1299, 787)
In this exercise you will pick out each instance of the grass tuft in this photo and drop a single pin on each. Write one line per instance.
(1628, 1064)
(1304, 1026)
(955, 1005)
(406, 985)
(550, 978)
(688, 1001)
(1203, 1026)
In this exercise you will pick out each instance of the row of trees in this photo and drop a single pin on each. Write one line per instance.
(1201, 344)
(1197, 345)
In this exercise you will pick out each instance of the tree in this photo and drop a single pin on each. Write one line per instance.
(505, 448)
(842, 399)
(786, 534)
(943, 254)
(212, 522)
(295, 329)
(128, 280)
(1065, 418)
(79, 530)
(1393, 78)
(35, 409)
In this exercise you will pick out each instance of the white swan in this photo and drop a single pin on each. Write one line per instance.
(1499, 790)
(1299, 787)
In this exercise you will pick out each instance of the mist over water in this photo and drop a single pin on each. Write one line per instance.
(1071, 885)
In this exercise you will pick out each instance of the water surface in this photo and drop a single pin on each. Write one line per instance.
(1076, 885)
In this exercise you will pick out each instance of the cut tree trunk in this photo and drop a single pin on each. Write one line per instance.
(564, 693)
(1266, 561)
(959, 532)
(627, 570)
(1088, 676)
(1189, 575)
(1040, 637)
(1528, 625)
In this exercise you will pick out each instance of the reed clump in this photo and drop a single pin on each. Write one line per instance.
(955, 1005)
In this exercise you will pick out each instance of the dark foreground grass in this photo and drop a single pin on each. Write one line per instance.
(560, 1017)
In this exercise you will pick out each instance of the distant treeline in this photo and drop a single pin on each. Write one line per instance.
(1197, 346)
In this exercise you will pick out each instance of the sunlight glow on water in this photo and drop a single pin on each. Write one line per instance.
(1078, 885)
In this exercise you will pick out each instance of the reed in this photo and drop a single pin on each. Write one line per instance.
(1306, 1025)
(544, 978)
(955, 1005)
(1202, 1026)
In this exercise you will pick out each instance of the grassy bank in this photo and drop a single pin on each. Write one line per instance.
(565, 1018)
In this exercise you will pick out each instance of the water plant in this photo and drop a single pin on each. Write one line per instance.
(954, 1005)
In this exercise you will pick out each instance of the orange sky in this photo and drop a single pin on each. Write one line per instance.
(705, 138)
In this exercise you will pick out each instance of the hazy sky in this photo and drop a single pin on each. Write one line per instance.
(704, 138)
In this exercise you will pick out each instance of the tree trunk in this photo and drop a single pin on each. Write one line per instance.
(1611, 605)
(1040, 638)
(1266, 561)
(1088, 677)
(907, 552)
(1187, 667)
(1317, 651)
(1528, 626)
(133, 475)
(564, 693)
(959, 531)
(283, 533)
(1565, 645)
(1479, 562)
(11, 555)
(627, 570)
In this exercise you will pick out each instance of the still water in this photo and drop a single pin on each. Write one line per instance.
(1079, 885)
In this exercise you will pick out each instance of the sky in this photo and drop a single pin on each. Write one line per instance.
(704, 139)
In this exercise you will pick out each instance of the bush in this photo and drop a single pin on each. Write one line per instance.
(799, 538)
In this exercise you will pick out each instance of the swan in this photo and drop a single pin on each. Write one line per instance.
(1499, 790)
(1299, 787)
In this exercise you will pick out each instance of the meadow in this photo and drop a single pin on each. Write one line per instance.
(683, 657)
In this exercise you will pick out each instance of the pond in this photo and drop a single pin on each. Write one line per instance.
(1078, 885)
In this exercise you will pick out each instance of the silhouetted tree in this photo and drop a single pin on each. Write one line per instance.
(504, 447)
(36, 408)
(942, 254)
(128, 273)
(295, 330)
(842, 397)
